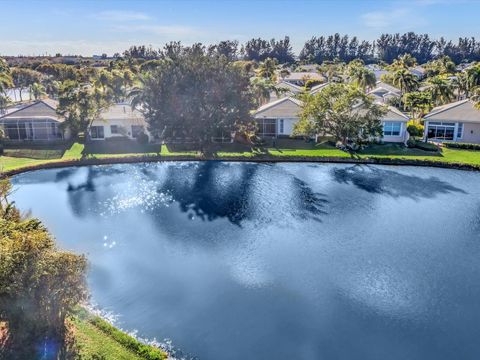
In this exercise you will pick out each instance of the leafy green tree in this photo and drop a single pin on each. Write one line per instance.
(39, 284)
(441, 66)
(80, 105)
(460, 84)
(473, 77)
(24, 78)
(342, 111)
(195, 95)
(418, 102)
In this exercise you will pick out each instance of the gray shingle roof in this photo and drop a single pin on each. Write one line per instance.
(40, 109)
(287, 107)
(463, 111)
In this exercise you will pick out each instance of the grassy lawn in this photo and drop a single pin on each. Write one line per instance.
(94, 343)
(18, 158)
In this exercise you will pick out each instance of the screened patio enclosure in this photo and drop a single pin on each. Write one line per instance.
(39, 129)
(267, 127)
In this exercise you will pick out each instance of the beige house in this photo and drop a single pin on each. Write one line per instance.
(120, 120)
(37, 121)
(278, 117)
(458, 121)
(384, 92)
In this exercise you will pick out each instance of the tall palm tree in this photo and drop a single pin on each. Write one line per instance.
(460, 85)
(5, 76)
(362, 77)
(405, 80)
(37, 90)
(267, 69)
(473, 77)
(441, 89)
(262, 90)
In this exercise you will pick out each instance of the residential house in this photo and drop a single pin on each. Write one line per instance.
(377, 70)
(418, 71)
(394, 124)
(458, 121)
(37, 121)
(277, 119)
(300, 78)
(384, 92)
(120, 120)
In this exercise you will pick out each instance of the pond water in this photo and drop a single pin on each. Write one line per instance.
(276, 261)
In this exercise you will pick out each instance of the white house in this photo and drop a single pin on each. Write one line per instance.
(278, 117)
(458, 121)
(120, 120)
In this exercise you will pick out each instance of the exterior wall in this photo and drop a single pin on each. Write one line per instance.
(288, 124)
(471, 133)
(403, 133)
(126, 125)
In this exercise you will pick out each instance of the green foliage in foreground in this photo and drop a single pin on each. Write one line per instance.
(39, 284)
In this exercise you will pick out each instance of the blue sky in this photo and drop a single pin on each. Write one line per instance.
(33, 27)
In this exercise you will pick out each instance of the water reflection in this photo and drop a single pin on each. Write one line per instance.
(392, 183)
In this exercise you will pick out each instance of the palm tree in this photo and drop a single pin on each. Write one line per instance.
(267, 69)
(37, 90)
(441, 89)
(460, 84)
(473, 77)
(262, 90)
(362, 77)
(405, 80)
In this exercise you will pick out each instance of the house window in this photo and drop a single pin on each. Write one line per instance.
(267, 127)
(97, 132)
(281, 125)
(391, 128)
(459, 130)
(114, 129)
(441, 131)
(136, 130)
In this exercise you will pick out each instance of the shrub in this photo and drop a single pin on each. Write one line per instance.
(426, 146)
(415, 129)
(142, 138)
(466, 146)
(411, 143)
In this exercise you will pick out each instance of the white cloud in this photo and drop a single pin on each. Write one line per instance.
(119, 15)
(396, 19)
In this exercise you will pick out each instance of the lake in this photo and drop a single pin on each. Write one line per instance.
(275, 261)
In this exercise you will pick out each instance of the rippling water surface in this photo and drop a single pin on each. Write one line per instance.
(285, 261)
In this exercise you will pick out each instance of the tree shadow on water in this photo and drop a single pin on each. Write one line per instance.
(392, 183)
(216, 190)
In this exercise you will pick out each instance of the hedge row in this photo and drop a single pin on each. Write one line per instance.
(466, 146)
(145, 351)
